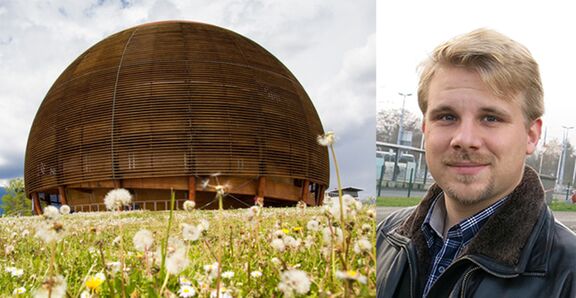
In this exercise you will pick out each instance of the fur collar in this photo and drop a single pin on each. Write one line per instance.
(502, 237)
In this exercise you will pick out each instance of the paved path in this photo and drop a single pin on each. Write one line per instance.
(565, 217)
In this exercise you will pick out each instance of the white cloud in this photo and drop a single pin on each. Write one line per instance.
(327, 44)
(352, 90)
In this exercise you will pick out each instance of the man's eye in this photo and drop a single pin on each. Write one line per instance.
(446, 117)
(491, 119)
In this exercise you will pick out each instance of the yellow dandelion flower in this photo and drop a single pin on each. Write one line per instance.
(297, 229)
(286, 231)
(94, 282)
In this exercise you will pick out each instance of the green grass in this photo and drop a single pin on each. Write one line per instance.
(245, 246)
(397, 201)
(562, 206)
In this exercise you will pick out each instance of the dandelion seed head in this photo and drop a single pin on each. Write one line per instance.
(51, 213)
(117, 198)
(65, 209)
(371, 213)
(191, 232)
(222, 292)
(85, 294)
(279, 234)
(189, 205)
(177, 261)
(275, 261)
(50, 232)
(366, 228)
(301, 205)
(204, 225)
(278, 244)
(143, 240)
(294, 282)
(8, 249)
(362, 245)
(292, 243)
(116, 240)
(333, 234)
(327, 139)
(205, 183)
(54, 287)
(256, 274)
(253, 212)
(211, 270)
(313, 225)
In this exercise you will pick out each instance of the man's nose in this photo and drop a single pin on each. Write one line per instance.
(467, 136)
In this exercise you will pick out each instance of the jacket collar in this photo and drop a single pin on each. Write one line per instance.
(507, 238)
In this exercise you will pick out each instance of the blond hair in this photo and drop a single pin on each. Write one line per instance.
(504, 65)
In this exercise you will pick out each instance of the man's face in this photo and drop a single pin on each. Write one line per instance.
(476, 143)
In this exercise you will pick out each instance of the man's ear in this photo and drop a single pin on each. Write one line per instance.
(534, 132)
(423, 124)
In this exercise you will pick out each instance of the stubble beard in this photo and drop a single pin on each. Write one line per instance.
(463, 190)
(466, 196)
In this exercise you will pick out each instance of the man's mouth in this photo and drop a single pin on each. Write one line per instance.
(467, 168)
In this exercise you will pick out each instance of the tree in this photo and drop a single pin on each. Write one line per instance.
(14, 202)
(550, 155)
(387, 126)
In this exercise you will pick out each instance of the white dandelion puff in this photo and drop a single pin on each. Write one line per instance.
(333, 234)
(50, 232)
(211, 270)
(54, 287)
(327, 139)
(204, 225)
(143, 240)
(189, 205)
(313, 225)
(116, 199)
(362, 245)
(51, 212)
(294, 282)
(65, 209)
(255, 274)
(278, 244)
(191, 232)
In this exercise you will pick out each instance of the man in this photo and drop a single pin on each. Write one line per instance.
(483, 230)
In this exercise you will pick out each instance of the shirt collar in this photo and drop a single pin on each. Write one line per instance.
(433, 225)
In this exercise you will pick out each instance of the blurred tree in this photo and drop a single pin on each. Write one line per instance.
(387, 126)
(550, 154)
(14, 202)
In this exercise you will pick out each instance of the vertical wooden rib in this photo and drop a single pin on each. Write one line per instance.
(62, 194)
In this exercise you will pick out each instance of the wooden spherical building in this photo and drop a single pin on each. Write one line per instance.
(176, 105)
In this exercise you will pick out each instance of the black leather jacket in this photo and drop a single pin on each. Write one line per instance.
(521, 251)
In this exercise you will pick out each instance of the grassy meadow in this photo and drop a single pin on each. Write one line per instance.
(255, 252)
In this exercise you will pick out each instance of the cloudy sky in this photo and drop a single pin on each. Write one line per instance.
(409, 30)
(329, 45)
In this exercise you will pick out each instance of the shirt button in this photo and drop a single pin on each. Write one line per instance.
(441, 269)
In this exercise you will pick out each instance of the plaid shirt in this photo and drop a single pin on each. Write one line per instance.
(445, 251)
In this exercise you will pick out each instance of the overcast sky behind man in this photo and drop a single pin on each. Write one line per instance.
(406, 29)
(328, 45)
